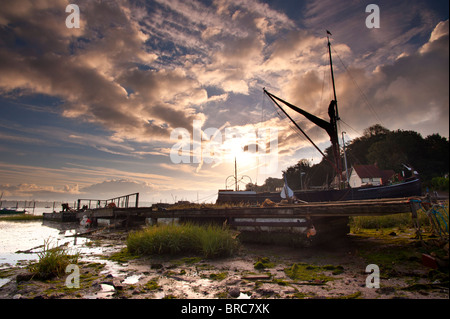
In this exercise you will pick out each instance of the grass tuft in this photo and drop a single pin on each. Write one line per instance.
(52, 261)
(209, 241)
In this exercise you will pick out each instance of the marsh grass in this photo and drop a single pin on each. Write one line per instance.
(402, 221)
(208, 241)
(52, 261)
(23, 217)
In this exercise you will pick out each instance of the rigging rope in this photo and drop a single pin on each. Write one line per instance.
(293, 127)
(371, 108)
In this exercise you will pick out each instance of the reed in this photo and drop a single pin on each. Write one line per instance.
(52, 261)
(208, 241)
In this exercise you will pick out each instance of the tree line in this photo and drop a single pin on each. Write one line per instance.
(378, 145)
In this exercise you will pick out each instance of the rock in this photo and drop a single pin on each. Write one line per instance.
(257, 277)
(385, 290)
(442, 263)
(156, 266)
(393, 234)
(234, 292)
(265, 291)
(232, 281)
(289, 291)
(117, 284)
(24, 276)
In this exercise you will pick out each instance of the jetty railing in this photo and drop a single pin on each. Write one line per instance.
(125, 201)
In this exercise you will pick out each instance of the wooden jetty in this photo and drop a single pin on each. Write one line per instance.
(321, 220)
(293, 224)
(373, 207)
(60, 217)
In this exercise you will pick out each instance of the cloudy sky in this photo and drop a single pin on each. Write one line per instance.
(97, 111)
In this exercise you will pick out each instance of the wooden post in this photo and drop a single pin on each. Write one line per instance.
(415, 205)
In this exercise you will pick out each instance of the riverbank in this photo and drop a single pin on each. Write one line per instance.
(336, 271)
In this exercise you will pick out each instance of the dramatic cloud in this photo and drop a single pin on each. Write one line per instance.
(93, 70)
(136, 70)
(410, 93)
(33, 191)
(115, 188)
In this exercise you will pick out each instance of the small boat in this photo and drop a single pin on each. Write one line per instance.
(11, 211)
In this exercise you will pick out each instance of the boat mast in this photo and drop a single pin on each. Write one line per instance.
(330, 127)
(235, 175)
(332, 74)
(333, 108)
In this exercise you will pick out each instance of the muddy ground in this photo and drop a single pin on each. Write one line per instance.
(336, 269)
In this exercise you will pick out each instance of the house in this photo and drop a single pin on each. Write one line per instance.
(369, 175)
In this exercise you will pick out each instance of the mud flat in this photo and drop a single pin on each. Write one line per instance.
(333, 271)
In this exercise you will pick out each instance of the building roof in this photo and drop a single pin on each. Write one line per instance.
(372, 171)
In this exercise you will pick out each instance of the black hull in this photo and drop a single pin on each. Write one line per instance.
(405, 189)
(11, 212)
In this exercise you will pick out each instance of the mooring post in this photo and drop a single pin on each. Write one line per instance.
(415, 205)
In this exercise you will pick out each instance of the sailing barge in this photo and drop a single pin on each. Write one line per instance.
(334, 222)
(407, 188)
(410, 187)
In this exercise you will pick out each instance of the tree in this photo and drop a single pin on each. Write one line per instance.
(297, 175)
(270, 185)
(357, 150)
(437, 155)
(375, 130)
(388, 149)
(397, 148)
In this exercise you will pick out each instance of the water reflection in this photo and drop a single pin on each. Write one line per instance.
(21, 241)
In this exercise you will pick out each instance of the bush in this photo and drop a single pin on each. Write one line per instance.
(440, 183)
(209, 241)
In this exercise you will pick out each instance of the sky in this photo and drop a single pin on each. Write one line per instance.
(160, 97)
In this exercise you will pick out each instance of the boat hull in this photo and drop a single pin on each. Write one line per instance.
(405, 189)
(6, 211)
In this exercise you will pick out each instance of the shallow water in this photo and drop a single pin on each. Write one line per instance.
(131, 280)
(21, 241)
